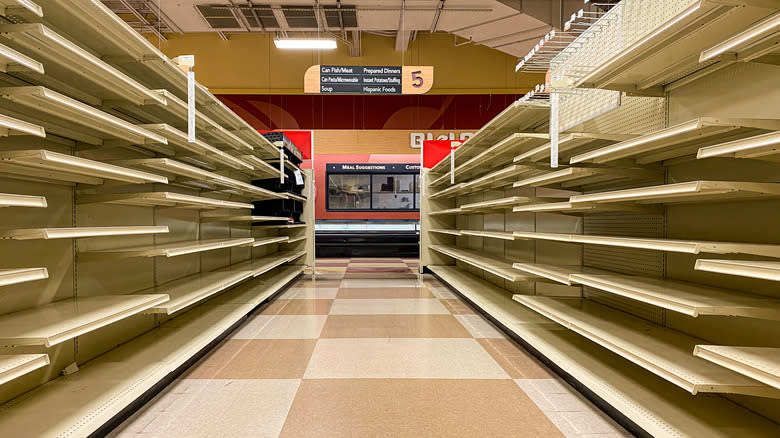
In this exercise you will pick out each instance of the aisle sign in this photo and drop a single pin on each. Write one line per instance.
(355, 79)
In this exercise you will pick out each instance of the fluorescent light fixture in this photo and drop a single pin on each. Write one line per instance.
(305, 44)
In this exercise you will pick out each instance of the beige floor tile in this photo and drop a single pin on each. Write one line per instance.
(402, 358)
(281, 327)
(398, 264)
(575, 424)
(387, 306)
(383, 283)
(299, 307)
(479, 327)
(228, 408)
(457, 307)
(256, 359)
(414, 408)
(392, 292)
(515, 360)
(567, 401)
(393, 326)
(319, 293)
(442, 292)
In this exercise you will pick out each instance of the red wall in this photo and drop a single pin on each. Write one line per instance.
(429, 112)
(320, 160)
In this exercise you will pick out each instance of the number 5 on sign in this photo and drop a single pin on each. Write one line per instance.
(417, 79)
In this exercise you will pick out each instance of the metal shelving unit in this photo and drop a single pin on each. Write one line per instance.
(162, 199)
(70, 118)
(755, 362)
(168, 249)
(11, 200)
(22, 275)
(84, 92)
(80, 232)
(745, 268)
(653, 403)
(13, 366)
(666, 353)
(57, 167)
(54, 323)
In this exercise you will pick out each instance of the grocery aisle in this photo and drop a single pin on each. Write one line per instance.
(368, 349)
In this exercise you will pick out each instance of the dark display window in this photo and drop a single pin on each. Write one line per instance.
(373, 191)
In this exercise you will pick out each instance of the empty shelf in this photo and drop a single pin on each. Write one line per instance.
(517, 117)
(262, 241)
(14, 276)
(745, 268)
(70, 118)
(759, 363)
(70, 64)
(243, 219)
(501, 178)
(13, 366)
(281, 226)
(198, 147)
(495, 204)
(755, 41)
(12, 126)
(494, 265)
(169, 249)
(162, 199)
(106, 385)
(295, 239)
(12, 60)
(503, 235)
(664, 352)
(687, 298)
(8, 7)
(51, 324)
(446, 212)
(672, 50)
(262, 265)
(692, 191)
(488, 296)
(192, 289)
(561, 274)
(445, 231)
(672, 245)
(569, 144)
(677, 141)
(581, 208)
(181, 172)
(55, 166)
(765, 146)
(656, 406)
(80, 232)
(497, 154)
(11, 200)
(580, 176)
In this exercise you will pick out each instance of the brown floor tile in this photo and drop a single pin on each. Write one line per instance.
(414, 408)
(391, 292)
(256, 359)
(457, 307)
(393, 326)
(298, 307)
(516, 361)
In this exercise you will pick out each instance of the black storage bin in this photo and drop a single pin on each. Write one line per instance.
(279, 207)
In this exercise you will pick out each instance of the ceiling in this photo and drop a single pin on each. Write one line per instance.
(510, 26)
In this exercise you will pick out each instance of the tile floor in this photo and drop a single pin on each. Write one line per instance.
(367, 349)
